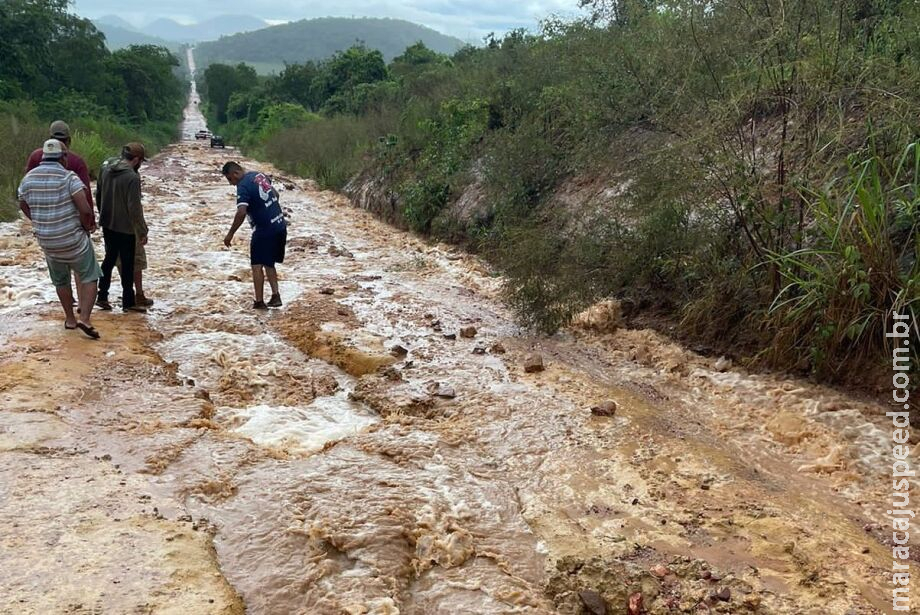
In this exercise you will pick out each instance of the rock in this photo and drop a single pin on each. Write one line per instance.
(203, 394)
(438, 390)
(342, 311)
(479, 350)
(399, 351)
(337, 251)
(450, 336)
(497, 348)
(607, 408)
(290, 187)
(327, 291)
(468, 332)
(533, 363)
(723, 364)
(593, 602)
(634, 607)
(724, 594)
(660, 571)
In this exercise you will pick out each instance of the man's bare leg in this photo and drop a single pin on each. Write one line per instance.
(87, 299)
(258, 281)
(272, 274)
(79, 287)
(65, 295)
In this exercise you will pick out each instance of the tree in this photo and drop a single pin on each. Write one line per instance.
(347, 70)
(222, 80)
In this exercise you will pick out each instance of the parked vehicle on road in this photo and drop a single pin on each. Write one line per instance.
(203, 134)
(217, 141)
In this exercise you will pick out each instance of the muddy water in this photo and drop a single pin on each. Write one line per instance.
(207, 458)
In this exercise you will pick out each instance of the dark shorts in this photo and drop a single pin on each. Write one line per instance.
(267, 250)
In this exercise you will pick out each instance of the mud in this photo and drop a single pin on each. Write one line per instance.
(208, 458)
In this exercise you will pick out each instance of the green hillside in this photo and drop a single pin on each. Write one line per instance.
(317, 39)
(118, 37)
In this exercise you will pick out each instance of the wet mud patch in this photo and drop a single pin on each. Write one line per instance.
(322, 328)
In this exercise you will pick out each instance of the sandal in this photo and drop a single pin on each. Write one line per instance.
(103, 304)
(69, 328)
(88, 331)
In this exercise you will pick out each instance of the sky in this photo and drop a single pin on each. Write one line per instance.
(469, 20)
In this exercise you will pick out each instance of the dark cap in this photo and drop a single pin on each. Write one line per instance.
(59, 130)
(134, 150)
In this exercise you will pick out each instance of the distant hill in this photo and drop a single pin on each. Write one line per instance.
(318, 39)
(115, 20)
(117, 36)
(207, 30)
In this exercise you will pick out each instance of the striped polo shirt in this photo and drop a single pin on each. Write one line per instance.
(48, 189)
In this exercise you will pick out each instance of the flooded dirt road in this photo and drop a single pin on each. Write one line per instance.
(376, 446)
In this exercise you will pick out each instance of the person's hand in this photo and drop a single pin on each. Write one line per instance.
(228, 240)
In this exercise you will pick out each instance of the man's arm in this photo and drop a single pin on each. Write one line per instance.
(136, 211)
(87, 218)
(237, 222)
(25, 209)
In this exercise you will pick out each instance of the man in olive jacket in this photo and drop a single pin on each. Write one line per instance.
(121, 216)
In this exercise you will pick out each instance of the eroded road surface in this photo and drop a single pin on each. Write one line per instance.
(376, 445)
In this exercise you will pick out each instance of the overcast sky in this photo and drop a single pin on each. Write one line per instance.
(466, 19)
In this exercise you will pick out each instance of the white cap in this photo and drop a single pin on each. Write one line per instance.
(52, 149)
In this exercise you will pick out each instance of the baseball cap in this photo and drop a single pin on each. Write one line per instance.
(52, 149)
(59, 130)
(135, 150)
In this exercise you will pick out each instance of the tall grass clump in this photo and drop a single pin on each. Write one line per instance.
(860, 267)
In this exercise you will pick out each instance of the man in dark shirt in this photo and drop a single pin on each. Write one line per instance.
(61, 131)
(257, 200)
(121, 217)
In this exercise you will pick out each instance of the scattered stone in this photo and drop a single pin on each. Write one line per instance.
(634, 607)
(593, 602)
(706, 575)
(189, 382)
(533, 363)
(450, 336)
(706, 485)
(342, 311)
(106, 457)
(327, 291)
(724, 594)
(203, 394)
(607, 408)
(290, 187)
(399, 351)
(337, 251)
(723, 364)
(447, 392)
(468, 332)
(497, 348)
(234, 278)
(660, 571)
(436, 389)
(479, 350)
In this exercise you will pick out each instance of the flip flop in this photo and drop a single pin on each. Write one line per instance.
(88, 331)
(69, 328)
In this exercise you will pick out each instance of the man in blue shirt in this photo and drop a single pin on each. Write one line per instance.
(257, 200)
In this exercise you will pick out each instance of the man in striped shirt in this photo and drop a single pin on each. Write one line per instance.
(53, 198)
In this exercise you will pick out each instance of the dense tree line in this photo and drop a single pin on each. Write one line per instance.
(56, 58)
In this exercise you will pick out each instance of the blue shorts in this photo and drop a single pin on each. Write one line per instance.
(267, 249)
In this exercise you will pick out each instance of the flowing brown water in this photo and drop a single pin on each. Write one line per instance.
(207, 458)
